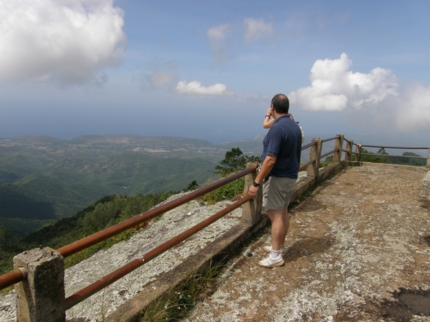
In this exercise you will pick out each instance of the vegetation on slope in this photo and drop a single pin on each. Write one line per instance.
(104, 213)
(44, 179)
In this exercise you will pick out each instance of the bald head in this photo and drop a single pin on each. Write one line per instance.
(281, 103)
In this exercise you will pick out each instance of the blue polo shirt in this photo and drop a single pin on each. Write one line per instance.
(284, 141)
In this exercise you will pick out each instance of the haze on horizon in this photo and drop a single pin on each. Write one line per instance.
(181, 68)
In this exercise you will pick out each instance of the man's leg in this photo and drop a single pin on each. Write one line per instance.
(278, 233)
(286, 219)
(279, 228)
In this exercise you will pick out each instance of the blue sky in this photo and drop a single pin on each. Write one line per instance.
(209, 69)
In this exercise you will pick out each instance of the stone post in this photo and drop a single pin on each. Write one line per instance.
(358, 152)
(428, 159)
(348, 150)
(40, 296)
(315, 154)
(251, 211)
(337, 156)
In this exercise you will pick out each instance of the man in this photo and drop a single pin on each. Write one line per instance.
(278, 174)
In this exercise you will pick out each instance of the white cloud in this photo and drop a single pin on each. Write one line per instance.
(256, 28)
(68, 41)
(334, 87)
(412, 111)
(216, 36)
(196, 88)
(218, 33)
(374, 100)
(161, 78)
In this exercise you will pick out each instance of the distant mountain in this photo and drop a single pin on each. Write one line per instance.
(248, 147)
(44, 179)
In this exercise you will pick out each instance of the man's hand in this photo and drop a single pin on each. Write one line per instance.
(266, 167)
(252, 192)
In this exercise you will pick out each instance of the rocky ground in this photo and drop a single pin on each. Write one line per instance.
(358, 250)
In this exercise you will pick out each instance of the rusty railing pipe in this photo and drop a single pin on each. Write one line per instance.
(396, 156)
(329, 139)
(95, 238)
(328, 153)
(124, 270)
(396, 147)
(303, 166)
(304, 147)
(11, 278)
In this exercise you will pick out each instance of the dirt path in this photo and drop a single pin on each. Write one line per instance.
(358, 250)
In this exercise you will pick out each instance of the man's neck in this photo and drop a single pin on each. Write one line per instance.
(276, 115)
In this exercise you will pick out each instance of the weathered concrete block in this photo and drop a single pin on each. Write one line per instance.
(251, 213)
(40, 297)
(425, 189)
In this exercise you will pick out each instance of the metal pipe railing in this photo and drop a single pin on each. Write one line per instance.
(328, 153)
(114, 276)
(329, 139)
(11, 278)
(396, 156)
(346, 151)
(304, 147)
(395, 147)
(86, 242)
(303, 166)
(17, 276)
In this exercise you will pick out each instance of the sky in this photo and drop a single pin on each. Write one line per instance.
(208, 69)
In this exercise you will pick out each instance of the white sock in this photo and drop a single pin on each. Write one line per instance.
(275, 254)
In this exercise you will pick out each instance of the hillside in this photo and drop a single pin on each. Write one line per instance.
(44, 179)
(101, 214)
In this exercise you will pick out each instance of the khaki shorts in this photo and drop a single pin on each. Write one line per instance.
(277, 192)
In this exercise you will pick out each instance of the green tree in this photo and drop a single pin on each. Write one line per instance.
(380, 157)
(382, 151)
(234, 161)
(193, 185)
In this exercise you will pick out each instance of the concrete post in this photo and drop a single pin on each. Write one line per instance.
(348, 150)
(40, 297)
(337, 156)
(428, 159)
(315, 154)
(358, 152)
(251, 211)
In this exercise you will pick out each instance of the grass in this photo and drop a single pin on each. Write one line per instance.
(229, 191)
(179, 301)
(7, 289)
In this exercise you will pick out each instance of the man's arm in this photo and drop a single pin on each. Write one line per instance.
(266, 167)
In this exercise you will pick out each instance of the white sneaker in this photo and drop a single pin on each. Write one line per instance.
(268, 249)
(269, 262)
